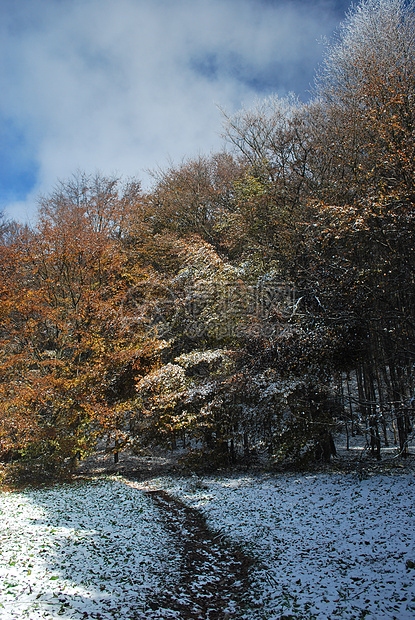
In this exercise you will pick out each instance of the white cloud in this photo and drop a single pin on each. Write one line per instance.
(123, 85)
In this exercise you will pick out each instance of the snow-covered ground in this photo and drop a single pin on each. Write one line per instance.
(328, 545)
(89, 550)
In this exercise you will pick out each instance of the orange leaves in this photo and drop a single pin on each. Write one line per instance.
(66, 358)
(17, 426)
(111, 422)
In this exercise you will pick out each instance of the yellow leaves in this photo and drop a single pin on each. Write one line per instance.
(250, 187)
(93, 343)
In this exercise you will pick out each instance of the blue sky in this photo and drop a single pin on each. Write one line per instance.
(124, 86)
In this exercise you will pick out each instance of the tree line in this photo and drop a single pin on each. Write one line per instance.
(249, 301)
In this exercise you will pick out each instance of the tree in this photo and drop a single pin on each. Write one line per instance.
(195, 197)
(366, 85)
(329, 196)
(362, 235)
(271, 196)
(69, 355)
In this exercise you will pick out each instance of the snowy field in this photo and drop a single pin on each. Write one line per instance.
(92, 550)
(328, 545)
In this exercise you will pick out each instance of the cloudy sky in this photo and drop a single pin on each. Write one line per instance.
(123, 86)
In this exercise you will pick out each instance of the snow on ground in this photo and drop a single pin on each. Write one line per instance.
(89, 550)
(330, 545)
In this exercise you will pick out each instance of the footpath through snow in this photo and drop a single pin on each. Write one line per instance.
(327, 546)
(214, 578)
(104, 550)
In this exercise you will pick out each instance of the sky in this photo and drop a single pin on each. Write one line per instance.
(122, 87)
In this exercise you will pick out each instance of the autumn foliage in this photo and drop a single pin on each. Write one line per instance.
(248, 303)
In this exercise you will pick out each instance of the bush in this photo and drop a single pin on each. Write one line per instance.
(36, 464)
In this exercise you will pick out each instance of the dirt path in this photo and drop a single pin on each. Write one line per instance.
(214, 582)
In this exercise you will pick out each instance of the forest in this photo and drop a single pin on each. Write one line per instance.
(248, 303)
